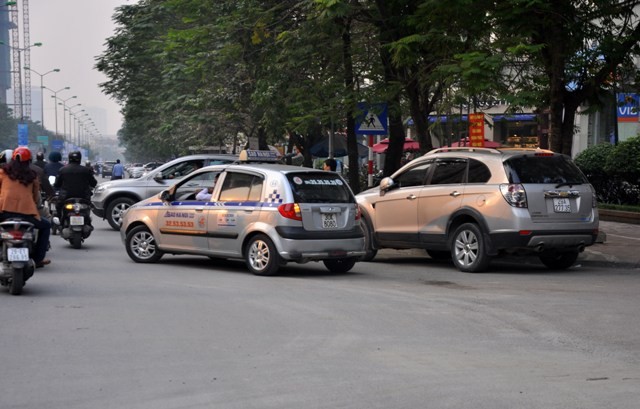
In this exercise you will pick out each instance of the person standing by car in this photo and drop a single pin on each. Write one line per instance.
(118, 170)
(19, 193)
(330, 165)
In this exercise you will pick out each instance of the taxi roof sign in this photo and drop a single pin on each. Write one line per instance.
(250, 155)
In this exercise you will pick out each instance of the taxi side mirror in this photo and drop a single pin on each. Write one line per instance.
(165, 196)
(158, 177)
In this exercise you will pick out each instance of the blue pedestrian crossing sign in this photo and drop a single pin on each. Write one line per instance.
(373, 120)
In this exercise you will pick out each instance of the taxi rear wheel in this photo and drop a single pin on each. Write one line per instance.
(340, 265)
(261, 256)
(141, 245)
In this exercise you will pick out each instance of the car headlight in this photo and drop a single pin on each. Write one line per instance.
(100, 188)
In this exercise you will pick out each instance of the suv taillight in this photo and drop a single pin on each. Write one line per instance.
(514, 194)
(358, 213)
(290, 211)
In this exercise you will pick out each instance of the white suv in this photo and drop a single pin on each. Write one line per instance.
(111, 199)
(473, 204)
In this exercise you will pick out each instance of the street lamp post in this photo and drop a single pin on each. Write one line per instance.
(74, 115)
(18, 95)
(64, 116)
(42, 90)
(55, 102)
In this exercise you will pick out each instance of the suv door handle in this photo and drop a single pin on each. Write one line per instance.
(455, 193)
(412, 197)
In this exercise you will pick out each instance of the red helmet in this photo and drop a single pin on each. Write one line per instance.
(21, 154)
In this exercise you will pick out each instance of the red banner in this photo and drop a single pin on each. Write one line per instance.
(476, 130)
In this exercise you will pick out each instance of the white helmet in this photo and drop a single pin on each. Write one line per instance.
(5, 155)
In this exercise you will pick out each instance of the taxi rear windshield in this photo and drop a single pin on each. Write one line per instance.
(319, 187)
(543, 169)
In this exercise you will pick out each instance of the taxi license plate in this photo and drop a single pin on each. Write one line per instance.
(77, 220)
(18, 254)
(561, 205)
(329, 221)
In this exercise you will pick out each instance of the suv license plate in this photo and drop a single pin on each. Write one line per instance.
(329, 221)
(18, 253)
(561, 205)
(77, 220)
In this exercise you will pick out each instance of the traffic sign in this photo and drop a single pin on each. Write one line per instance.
(373, 120)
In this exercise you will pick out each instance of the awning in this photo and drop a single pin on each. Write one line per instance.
(495, 117)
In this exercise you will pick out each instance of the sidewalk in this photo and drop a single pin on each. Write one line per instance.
(620, 246)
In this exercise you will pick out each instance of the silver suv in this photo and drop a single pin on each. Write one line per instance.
(473, 204)
(265, 214)
(111, 199)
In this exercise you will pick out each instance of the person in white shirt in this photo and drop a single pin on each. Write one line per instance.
(205, 194)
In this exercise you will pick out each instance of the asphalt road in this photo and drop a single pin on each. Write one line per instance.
(95, 330)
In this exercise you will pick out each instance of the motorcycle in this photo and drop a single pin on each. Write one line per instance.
(75, 224)
(52, 204)
(18, 238)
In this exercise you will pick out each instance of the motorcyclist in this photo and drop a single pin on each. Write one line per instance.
(75, 180)
(40, 162)
(19, 192)
(53, 167)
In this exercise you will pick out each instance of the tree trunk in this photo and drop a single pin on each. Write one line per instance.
(352, 142)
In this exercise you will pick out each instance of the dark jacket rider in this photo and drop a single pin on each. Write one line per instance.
(75, 180)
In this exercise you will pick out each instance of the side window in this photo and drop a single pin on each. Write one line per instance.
(241, 187)
(478, 172)
(188, 189)
(415, 176)
(449, 171)
(182, 169)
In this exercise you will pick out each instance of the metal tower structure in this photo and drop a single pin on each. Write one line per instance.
(26, 59)
(20, 55)
(16, 68)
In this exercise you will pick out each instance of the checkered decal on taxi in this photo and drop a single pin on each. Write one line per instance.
(274, 197)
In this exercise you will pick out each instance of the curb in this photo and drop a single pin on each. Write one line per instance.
(619, 216)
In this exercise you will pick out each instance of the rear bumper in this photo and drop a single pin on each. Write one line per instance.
(543, 240)
(296, 244)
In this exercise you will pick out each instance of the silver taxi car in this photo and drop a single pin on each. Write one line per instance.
(267, 214)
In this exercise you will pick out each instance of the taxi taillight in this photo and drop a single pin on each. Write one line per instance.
(290, 211)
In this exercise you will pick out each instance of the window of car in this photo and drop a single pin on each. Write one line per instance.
(449, 171)
(188, 189)
(478, 172)
(543, 169)
(182, 169)
(241, 187)
(414, 176)
(319, 187)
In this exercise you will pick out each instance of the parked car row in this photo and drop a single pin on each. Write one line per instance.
(469, 205)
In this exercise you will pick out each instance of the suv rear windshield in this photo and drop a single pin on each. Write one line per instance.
(319, 187)
(543, 169)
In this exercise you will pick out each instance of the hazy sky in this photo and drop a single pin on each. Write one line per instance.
(73, 33)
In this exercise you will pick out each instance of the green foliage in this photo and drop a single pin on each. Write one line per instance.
(624, 160)
(592, 161)
(613, 171)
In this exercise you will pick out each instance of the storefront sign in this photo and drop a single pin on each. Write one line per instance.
(628, 107)
(476, 130)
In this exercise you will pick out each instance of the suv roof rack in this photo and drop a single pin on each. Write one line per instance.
(463, 149)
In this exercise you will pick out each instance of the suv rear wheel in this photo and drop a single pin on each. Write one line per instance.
(468, 249)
